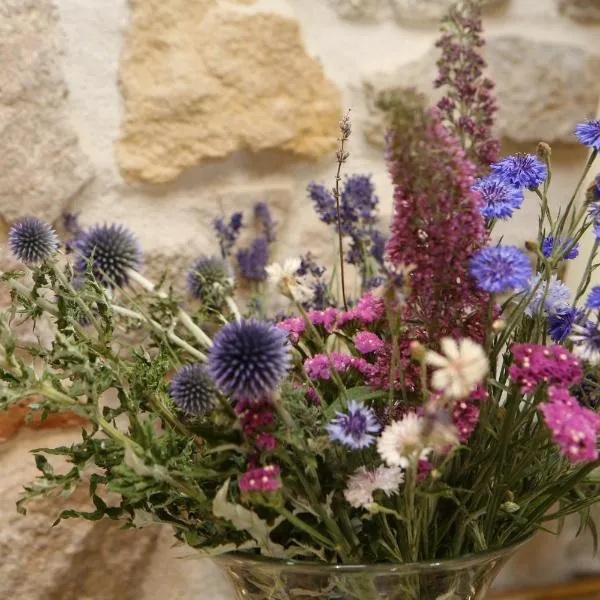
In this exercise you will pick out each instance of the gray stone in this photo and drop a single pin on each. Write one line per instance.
(429, 10)
(581, 10)
(543, 89)
(358, 10)
(42, 165)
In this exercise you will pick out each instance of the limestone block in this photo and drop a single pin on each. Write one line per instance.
(585, 11)
(201, 82)
(41, 163)
(363, 10)
(429, 10)
(543, 89)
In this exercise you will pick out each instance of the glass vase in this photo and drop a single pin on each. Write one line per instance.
(466, 578)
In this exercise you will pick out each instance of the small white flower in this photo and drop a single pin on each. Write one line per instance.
(287, 281)
(363, 483)
(403, 442)
(462, 366)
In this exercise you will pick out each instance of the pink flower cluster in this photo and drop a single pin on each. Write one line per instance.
(574, 428)
(406, 374)
(366, 342)
(256, 417)
(325, 318)
(465, 415)
(534, 364)
(294, 326)
(368, 309)
(260, 479)
(319, 366)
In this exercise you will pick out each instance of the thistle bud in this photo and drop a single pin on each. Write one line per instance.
(544, 151)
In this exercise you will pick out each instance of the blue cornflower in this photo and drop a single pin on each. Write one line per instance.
(112, 250)
(549, 298)
(586, 342)
(597, 229)
(499, 198)
(593, 299)
(208, 278)
(249, 358)
(324, 202)
(560, 324)
(192, 390)
(588, 133)
(594, 210)
(227, 233)
(252, 261)
(549, 245)
(354, 428)
(500, 268)
(263, 215)
(521, 170)
(32, 240)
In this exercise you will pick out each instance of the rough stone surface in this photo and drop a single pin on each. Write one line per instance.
(84, 560)
(581, 10)
(41, 163)
(543, 89)
(213, 82)
(429, 10)
(363, 10)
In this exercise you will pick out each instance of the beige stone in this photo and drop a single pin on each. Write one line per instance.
(41, 163)
(581, 10)
(543, 89)
(367, 10)
(200, 82)
(429, 10)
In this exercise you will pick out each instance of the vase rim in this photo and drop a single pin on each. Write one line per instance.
(445, 564)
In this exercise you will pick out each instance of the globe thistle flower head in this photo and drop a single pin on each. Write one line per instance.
(249, 358)
(521, 170)
(588, 133)
(500, 268)
(192, 390)
(32, 240)
(209, 279)
(549, 244)
(112, 250)
(499, 198)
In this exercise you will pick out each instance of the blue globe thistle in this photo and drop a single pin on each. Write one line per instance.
(209, 279)
(499, 198)
(521, 170)
(593, 299)
(355, 428)
(249, 358)
(549, 244)
(560, 324)
(588, 133)
(32, 240)
(500, 268)
(192, 390)
(112, 250)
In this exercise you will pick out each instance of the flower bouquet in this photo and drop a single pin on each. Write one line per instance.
(390, 438)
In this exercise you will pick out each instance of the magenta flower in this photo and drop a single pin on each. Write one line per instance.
(262, 479)
(319, 366)
(326, 318)
(366, 342)
(368, 309)
(294, 326)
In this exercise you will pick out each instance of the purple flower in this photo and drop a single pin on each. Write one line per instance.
(521, 170)
(593, 299)
(192, 389)
(550, 244)
(263, 215)
(358, 199)
(586, 342)
(208, 276)
(560, 324)
(378, 242)
(112, 250)
(549, 298)
(500, 268)
(324, 202)
(588, 133)
(249, 358)
(32, 240)
(499, 198)
(261, 479)
(227, 233)
(354, 428)
(252, 261)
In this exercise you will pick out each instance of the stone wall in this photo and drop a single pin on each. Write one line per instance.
(161, 114)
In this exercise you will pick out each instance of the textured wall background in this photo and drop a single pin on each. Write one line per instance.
(164, 113)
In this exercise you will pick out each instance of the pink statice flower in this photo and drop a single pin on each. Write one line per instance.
(465, 415)
(573, 427)
(362, 484)
(534, 364)
(406, 375)
(325, 318)
(368, 309)
(260, 479)
(319, 366)
(265, 441)
(294, 326)
(424, 467)
(366, 342)
(256, 417)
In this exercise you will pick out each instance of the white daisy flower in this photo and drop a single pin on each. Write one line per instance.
(362, 484)
(462, 366)
(287, 281)
(403, 442)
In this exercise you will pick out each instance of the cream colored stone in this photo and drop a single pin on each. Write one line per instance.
(543, 89)
(41, 163)
(411, 11)
(581, 10)
(202, 83)
(363, 10)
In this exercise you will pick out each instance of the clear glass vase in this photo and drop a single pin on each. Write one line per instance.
(467, 578)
